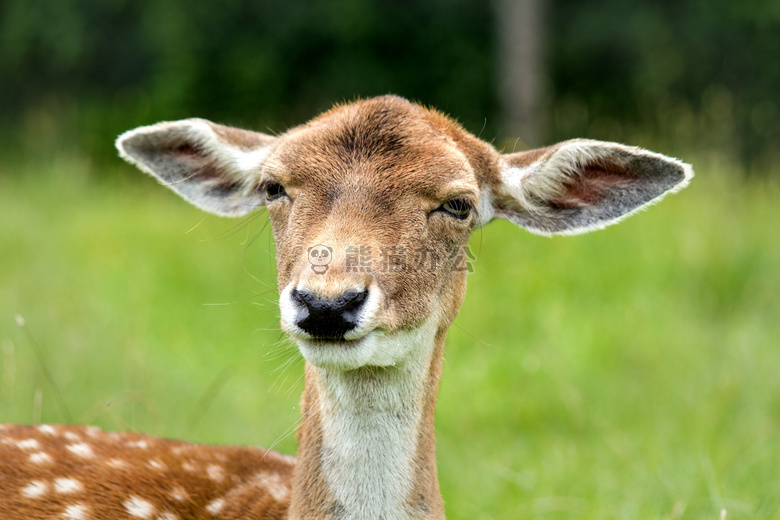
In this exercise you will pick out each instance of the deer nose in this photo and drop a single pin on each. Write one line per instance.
(328, 319)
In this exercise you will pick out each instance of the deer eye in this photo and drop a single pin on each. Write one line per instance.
(458, 208)
(273, 190)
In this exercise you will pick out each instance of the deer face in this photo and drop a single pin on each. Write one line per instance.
(391, 192)
(394, 201)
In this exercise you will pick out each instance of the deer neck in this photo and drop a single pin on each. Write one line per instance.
(367, 447)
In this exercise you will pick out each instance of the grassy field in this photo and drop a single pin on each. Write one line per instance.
(629, 374)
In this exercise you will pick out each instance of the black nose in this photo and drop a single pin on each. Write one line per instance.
(328, 319)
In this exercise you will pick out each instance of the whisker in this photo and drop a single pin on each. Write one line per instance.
(287, 432)
(44, 367)
(235, 228)
(193, 228)
(259, 233)
(208, 397)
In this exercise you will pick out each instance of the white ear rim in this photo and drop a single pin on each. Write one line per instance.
(542, 179)
(228, 156)
(242, 163)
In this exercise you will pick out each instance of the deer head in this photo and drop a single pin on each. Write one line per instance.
(372, 205)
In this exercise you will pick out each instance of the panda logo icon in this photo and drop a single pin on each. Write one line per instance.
(319, 258)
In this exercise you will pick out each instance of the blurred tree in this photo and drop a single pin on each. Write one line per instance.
(96, 67)
(688, 72)
(701, 72)
(520, 28)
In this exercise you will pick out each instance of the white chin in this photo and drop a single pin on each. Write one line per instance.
(376, 349)
(340, 355)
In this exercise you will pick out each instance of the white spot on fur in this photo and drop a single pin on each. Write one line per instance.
(166, 516)
(41, 458)
(215, 472)
(273, 484)
(215, 506)
(67, 485)
(35, 489)
(179, 494)
(71, 436)
(189, 466)
(139, 507)
(142, 444)
(47, 429)
(81, 449)
(94, 431)
(157, 464)
(76, 512)
(117, 463)
(28, 444)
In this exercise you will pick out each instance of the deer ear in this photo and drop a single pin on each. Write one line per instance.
(214, 167)
(580, 185)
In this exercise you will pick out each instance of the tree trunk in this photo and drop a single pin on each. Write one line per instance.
(520, 27)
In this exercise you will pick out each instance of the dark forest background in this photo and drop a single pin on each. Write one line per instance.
(681, 75)
(626, 374)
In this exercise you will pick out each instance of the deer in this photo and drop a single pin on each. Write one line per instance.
(374, 176)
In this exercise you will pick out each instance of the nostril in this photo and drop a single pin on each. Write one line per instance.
(301, 297)
(328, 319)
(352, 302)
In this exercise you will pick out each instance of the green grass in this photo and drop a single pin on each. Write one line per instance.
(628, 374)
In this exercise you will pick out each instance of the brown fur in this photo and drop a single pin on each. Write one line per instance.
(374, 174)
(110, 468)
(361, 174)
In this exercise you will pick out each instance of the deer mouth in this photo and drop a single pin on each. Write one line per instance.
(326, 342)
(338, 353)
